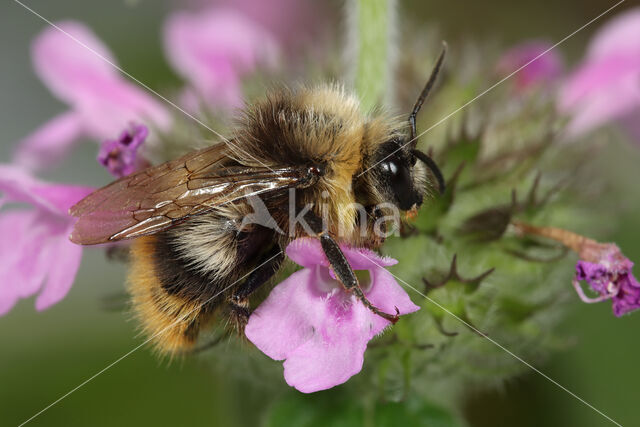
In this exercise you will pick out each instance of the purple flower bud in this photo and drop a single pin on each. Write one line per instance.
(120, 156)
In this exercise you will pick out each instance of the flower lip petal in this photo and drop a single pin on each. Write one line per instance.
(284, 320)
(333, 355)
(319, 329)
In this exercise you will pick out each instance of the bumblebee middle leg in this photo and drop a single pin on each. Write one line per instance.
(267, 265)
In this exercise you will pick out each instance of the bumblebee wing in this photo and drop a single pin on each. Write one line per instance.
(156, 198)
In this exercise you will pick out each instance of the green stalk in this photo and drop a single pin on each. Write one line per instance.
(370, 48)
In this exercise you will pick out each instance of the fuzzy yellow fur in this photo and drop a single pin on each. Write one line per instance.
(163, 318)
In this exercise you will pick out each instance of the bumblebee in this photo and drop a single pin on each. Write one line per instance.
(307, 154)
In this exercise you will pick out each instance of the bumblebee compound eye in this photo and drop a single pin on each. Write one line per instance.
(398, 177)
(390, 168)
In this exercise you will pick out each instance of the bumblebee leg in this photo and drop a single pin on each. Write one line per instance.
(268, 265)
(342, 268)
(347, 277)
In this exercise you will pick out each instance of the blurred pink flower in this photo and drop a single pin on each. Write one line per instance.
(547, 65)
(320, 330)
(120, 156)
(101, 100)
(606, 87)
(213, 49)
(292, 22)
(36, 253)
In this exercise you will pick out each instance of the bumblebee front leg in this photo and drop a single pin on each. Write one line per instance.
(267, 266)
(342, 268)
(346, 275)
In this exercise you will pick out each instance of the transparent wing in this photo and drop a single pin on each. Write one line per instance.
(156, 198)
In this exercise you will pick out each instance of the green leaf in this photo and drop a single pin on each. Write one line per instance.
(322, 409)
(413, 413)
(338, 408)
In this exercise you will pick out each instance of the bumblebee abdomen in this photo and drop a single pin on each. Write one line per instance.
(171, 320)
(178, 278)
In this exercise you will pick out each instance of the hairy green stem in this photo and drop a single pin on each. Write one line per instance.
(370, 48)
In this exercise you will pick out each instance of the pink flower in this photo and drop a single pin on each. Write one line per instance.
(213, 49)
(608, 272)
(101, 100)
(606, 87)
(320, 330)
(547, 65)
(292, 22)
(120, 156)
(36, 253)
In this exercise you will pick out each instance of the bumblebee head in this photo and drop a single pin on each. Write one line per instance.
(398, 173)
(401, 173)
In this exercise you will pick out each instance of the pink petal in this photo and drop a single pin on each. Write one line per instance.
(601, 92)
(598, 76)
(606, 87)
(76, 74)
(51, 142)
(365, 259)
(334, 353)
(387, 295)
(62, 271)
(308, 252)
(214, 48)
(18, 186)
(294, 22)
(107, 107)
(619, 35)
(36, 249)
(26, 253)
(321, 335)
(69, 61)
(285, 319)
(12, 226)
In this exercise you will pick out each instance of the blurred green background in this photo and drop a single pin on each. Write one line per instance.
(45, 355)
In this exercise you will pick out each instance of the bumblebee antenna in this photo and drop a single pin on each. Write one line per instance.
(433, 167)
(425, 92)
